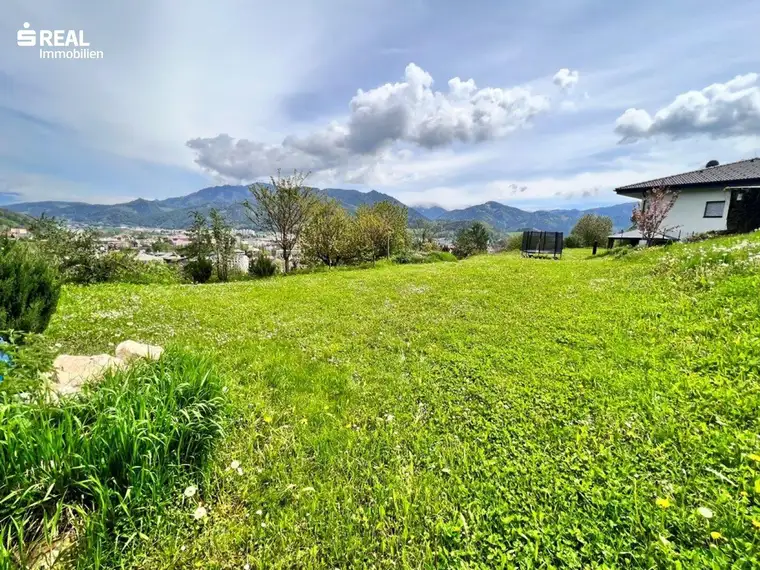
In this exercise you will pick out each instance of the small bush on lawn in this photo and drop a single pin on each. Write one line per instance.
(512, 242)
(29, 289)
(199, 271)
(434, 256)
(108, 462)
(262, 266)
(420, 257)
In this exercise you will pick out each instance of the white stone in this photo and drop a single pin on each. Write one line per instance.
(46, 555)
(71, 372)
(130, 349)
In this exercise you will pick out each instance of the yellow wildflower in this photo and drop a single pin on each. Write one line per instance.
(716, 535)
(662, 503)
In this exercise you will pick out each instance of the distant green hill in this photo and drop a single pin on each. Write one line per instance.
(10, 219)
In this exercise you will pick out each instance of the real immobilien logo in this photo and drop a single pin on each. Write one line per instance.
(65, 44)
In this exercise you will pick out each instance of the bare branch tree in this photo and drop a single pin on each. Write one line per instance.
(283, 209)
(652, 212)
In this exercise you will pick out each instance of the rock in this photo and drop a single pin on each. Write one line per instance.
(130, 349)
(48, 555)
(71, 372)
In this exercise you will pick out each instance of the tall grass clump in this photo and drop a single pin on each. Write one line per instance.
(29, 289)
(102, 466)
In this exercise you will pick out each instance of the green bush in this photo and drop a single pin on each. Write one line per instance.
(262, 266)
(513, 242)
(29, 289)
(123, 267)
(199, 271)
(108, 461)
(573, 241)
(422, 257)
(442, 256)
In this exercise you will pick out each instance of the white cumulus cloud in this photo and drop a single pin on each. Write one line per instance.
(407, 114)
(730, 109)
(566, 79)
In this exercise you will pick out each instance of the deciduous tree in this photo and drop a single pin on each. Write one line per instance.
(382, 228)
(591, 228)
(327, 237)
(283, 208)
(223, 243)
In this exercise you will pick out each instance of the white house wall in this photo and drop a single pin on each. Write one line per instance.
(686, 217)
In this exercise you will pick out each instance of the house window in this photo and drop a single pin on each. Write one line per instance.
(714, 209)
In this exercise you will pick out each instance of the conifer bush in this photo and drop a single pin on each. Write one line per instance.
(262, 266)
(29, 289)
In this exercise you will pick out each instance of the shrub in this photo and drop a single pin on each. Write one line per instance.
(405, 257)
(573, 241)
(29, 289)
(262, 266)
(199, 271)
(693, 238)
(441, 256)
(513, 242)
(73, 253)
(109, 461)
(421, 257)
(124, 267)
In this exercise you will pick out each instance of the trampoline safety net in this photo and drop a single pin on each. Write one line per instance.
(535, 244)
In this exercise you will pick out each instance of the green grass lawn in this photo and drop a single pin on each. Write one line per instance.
(496, 412)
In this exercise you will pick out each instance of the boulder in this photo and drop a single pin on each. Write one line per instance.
(130, 349)
(47, 555)
(71, 372)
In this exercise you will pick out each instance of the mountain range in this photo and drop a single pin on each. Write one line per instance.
(175, 213)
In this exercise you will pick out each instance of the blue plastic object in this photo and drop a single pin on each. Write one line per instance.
(4, 358)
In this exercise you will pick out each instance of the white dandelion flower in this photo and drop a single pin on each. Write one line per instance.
(190, 491)
(200, 513)
(705, 512)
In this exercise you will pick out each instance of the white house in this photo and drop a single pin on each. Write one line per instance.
(719, 197)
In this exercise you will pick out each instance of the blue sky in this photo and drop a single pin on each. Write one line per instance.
(568, 99)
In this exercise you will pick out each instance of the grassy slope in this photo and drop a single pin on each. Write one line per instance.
(498, 411)
(10, 219)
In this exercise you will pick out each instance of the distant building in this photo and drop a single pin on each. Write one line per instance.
(18, 233)
(147, 258)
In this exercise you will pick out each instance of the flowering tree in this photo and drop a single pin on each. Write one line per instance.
(651, 213)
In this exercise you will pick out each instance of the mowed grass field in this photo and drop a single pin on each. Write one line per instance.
(497, 412)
